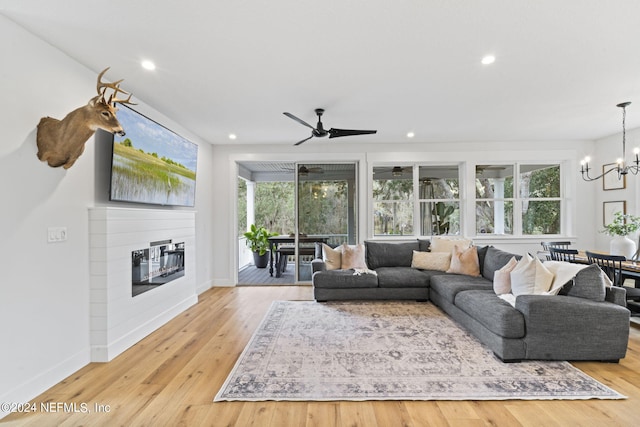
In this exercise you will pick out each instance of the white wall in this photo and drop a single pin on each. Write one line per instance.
(580, 212)
(44, 289)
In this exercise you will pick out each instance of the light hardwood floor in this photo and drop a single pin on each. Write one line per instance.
(170, 378)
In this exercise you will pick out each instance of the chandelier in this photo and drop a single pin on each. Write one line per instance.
(620, 168)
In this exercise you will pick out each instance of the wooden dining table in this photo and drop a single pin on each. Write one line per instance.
(276, 241)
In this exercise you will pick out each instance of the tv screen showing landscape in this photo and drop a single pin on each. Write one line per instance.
(152, 164)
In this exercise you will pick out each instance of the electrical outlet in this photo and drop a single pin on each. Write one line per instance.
(56, 234)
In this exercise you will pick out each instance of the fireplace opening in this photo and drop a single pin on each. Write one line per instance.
(156, 265)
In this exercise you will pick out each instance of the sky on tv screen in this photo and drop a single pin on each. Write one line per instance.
(152, 137)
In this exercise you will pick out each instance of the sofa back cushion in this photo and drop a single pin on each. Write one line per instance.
(494, 260)
(388, 254)
(424, 245)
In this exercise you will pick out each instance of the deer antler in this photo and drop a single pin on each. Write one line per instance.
(115, 86)
(113, 99)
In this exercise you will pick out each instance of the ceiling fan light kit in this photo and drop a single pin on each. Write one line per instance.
(320, 132)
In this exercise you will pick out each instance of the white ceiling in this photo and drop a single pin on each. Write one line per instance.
(395, 66)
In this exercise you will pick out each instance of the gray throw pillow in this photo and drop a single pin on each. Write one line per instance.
(589, 283)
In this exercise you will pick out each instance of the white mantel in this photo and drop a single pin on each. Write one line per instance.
(119, 320)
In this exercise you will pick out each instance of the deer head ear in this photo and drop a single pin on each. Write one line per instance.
(94, 100)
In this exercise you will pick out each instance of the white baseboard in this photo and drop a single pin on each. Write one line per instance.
(102, 353)
(203, 287)
(45, 380)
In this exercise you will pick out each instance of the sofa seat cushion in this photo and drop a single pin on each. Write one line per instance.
(448, 285)
(492, 312)
(344, 279)
(404, 277)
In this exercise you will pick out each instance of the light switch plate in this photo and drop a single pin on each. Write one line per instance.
(56, 234)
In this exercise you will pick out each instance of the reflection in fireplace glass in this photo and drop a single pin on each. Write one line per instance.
(154, 266)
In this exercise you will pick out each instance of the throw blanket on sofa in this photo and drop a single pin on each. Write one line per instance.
(361, 271)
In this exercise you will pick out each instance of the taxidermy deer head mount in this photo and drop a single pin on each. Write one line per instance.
(61, 142)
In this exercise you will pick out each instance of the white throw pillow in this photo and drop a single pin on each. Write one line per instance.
(446, 244)
(502, 277)
(332, 257)
(353, 257)
(530, 277)
(438, 261)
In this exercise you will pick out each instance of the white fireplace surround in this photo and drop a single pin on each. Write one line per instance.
(119, 320)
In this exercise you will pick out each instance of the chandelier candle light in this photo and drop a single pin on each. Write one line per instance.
(621, 168)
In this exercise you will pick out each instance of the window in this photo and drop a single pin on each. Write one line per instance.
(540, 199)
(393, 200)
(439, 200)
(531, 203)
(494, 199)
(517, 199)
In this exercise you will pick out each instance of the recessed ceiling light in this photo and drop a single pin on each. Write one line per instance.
(410, 134)
(233, 136)
(489, 59)
(148, 65)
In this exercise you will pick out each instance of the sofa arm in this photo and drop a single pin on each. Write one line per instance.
(616, 295)
(571, 328)
(318, 265)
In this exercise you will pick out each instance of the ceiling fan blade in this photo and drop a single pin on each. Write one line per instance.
(302, 122)
(336, 133)
(306, 139)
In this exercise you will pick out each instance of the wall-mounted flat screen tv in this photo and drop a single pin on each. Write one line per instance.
(151, 164)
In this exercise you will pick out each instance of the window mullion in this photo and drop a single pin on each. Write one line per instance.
(517, 202)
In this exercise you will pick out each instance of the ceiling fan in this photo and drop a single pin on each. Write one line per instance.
(304, 170)
(320, 131)
(395, 171)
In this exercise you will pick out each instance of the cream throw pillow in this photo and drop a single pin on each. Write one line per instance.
(530, 277)
(353, 257)
(465, 261)
(502, 277)
(446, 244)
(438, 261)
(332, 257)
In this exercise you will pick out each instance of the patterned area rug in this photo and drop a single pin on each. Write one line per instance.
(305, 350)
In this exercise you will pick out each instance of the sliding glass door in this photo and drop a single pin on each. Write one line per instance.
(326, 209)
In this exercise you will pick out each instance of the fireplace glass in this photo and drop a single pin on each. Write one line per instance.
(156, 265)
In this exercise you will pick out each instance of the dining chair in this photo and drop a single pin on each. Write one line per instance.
(610, 264)
(562, 245)
(547, 245)
(559, 254)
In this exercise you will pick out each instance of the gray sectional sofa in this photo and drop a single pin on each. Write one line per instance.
(543, 327)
